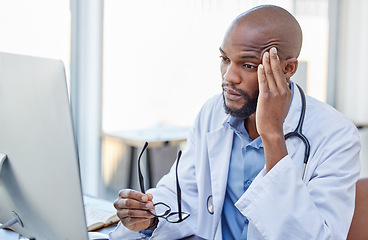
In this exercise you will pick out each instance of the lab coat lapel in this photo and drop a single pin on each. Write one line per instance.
(219, 150)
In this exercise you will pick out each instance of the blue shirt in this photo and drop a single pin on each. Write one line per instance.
(246, 161)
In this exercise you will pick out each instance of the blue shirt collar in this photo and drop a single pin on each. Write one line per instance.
(237, 125)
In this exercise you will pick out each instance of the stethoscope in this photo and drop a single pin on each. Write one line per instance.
(296, 133)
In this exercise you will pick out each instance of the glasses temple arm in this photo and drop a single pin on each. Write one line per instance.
(140, 176)
(178, 189)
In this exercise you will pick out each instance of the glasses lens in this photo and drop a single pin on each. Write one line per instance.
(161, 209)
(175, 218)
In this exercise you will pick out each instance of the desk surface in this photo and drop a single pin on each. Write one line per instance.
(10, 235)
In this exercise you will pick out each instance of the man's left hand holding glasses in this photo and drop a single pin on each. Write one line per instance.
(132, 209)
(136, 210)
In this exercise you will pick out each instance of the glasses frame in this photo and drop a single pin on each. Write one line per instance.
(168, 213)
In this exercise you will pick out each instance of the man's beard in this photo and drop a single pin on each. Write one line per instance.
(249, 107)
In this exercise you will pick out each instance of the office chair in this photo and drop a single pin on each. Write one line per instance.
(359, 225)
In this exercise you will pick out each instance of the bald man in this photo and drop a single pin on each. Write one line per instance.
(239, 177)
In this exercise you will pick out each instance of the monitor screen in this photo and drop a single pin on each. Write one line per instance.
(39, 175)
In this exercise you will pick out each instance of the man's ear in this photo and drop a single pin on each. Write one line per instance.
(289, 67)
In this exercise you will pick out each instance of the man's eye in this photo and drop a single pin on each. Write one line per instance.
(250, 66)
(224, 59)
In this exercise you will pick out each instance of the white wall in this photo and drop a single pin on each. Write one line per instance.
(352, 80)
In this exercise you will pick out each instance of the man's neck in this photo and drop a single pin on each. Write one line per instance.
(250, 126)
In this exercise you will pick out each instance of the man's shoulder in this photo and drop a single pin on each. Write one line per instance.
(215, 102)
(321, 109)
(324, 116)
(212, 112)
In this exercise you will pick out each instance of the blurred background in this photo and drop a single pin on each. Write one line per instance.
(140, 70)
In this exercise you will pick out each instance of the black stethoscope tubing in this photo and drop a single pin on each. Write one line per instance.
(298, 131)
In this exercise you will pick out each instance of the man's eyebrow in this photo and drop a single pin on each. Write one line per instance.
(242, 57)
(222, 51)
(249, 56)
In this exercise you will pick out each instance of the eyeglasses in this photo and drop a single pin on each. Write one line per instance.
(162, 210)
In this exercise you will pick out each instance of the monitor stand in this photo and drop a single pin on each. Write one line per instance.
(3, 158)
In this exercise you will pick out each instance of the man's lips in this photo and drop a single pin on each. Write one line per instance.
(231, 94)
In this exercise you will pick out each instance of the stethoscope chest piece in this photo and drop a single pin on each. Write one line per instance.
(210, 204)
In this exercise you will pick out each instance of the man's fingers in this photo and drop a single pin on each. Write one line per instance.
(262, 81)
(133, 213)
(133, 209)
(278, 74)
(132, 221)
(127, 203)
(268, 71)
(130, 193)
(150, 196)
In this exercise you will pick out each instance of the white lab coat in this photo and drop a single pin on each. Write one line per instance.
(279, 204)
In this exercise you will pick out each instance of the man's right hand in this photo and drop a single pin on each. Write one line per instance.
(132, 209)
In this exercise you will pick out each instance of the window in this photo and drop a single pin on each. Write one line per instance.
(38, 27)
(161, 57)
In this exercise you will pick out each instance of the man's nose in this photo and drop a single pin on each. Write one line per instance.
(231, 74)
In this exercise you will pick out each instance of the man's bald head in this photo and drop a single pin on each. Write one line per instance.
(271, 26)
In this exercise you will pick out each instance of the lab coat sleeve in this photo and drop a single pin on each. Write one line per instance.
(121, 232)
(279, 205)
(190, 176)
(166, 192)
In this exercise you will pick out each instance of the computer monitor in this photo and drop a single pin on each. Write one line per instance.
(39, 175)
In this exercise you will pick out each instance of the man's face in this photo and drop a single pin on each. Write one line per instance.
(241, 53)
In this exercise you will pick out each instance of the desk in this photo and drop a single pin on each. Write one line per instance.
(7, 234)
(158, 136)
(10, 235)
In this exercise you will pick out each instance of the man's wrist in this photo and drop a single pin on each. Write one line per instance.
(151, 228)
(154, 224)
(272, 137)
(274, 149)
